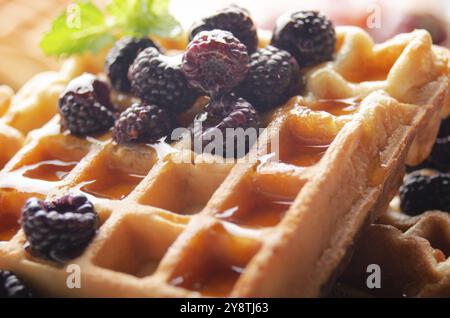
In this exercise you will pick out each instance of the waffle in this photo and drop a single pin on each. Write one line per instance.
(19, 36)
(278, 222)
(412, 252)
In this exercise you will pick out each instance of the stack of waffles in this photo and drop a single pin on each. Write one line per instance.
(279, 222)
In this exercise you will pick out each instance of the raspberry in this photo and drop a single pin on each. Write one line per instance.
(120, 58)
(273, 78)
(307, 35)
(232, 19)
(61, 229)
(223, 112)
(215, 62)
(420, 193)
(143, 123)
(158, 79)
(85, 106)
(12, 287)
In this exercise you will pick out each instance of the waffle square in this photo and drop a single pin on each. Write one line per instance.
(279, 222)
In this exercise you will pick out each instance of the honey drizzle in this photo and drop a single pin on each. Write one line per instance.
(217, 281)
(50, 170)
(338, 107)
(113, 184)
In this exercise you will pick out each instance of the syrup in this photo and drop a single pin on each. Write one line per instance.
(112, 183)
(49, 170)
(378, 73)
(303, 155)
(263, 211)
(297, 153)
(337, 107)
(216, 281)
(9, 225)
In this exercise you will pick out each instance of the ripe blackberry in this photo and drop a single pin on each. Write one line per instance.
(61, 229)
(307, 35)
(273, 78)
(220, 116)
(143, 123)
(85, 106)
(439, 158)
(444, 129)
(215, 62)
(120, 57)
(12, 287)
(232, 19)
(420, 193)
(158, 79)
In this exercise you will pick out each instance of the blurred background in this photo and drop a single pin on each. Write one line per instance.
(23, 21)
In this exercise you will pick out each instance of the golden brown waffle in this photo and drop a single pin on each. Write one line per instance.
(261, 227)
(20, 31)
(413, 254)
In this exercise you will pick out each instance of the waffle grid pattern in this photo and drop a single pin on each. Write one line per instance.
(413, 250)
(190, 228)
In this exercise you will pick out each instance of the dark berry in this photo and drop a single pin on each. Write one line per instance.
(307, 35)
(59, 230)
(120, 57)
(158, 79)
(223, 116)
(12, 287)
(273, 78)
(85, 106)
(444, 128)
(143, 124)
(420, 193)
(215, 62)
(232, 19)
(439, 158)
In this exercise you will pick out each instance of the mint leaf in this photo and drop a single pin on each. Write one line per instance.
(144, 17)
(84, 27)
(80, 28)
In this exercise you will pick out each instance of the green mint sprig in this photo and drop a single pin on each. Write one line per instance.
(84, 27)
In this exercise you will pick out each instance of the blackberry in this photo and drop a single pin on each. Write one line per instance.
(143, 123)
(439, 158)
(158, 79)
(215, 62)
(120, 58)
(12, 287)
(307, 35)
(221, 114)
(420, 193)
(444, 129)
(85, 106)
(232, 19)
(273, 78)
(59, 230)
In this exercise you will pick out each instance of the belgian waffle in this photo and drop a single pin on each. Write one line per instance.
(19, 36)
(276, 223)
(412, 252)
